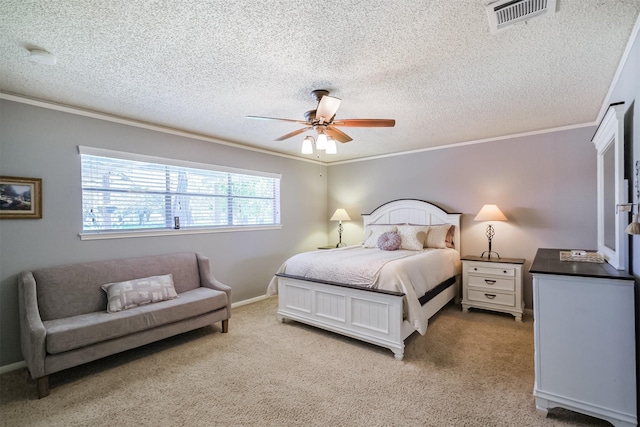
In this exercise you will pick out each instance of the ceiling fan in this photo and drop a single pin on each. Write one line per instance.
(322, 119)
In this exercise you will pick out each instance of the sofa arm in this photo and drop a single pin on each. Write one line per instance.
(207, 280)
(32, 331)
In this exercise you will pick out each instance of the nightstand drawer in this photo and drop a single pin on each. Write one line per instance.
(494, 271)
(492, 297)
(490, 283)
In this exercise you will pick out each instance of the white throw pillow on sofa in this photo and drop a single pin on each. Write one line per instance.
(133, 293)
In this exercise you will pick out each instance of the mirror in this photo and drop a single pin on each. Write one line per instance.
(608, 175)
(609, 142)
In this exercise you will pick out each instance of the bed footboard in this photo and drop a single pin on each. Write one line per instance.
(370, 316)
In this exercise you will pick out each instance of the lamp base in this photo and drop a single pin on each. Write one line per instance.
(340, 244)
(489, 254)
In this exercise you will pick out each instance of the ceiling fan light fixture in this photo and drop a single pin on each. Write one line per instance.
(331, 146)
(322, 121)
(307, 145)
(321, 143)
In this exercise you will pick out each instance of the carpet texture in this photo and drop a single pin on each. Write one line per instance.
(473, 369)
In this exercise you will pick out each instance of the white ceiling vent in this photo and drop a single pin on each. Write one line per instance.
(504, 13)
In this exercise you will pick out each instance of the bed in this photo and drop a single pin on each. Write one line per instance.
(395, 305)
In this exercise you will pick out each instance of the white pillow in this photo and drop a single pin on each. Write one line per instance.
(373, 232)
(413, 236)
(437, 236)
(133, 293)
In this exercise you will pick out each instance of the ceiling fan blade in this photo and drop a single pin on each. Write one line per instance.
(365, 123)
(302, 122)
(327, 108)
(337, 134)
(294, 133)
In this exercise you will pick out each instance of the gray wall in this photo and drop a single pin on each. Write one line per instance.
(544, 184)
(42, 143)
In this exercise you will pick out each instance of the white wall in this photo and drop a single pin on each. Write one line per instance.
(42, 143)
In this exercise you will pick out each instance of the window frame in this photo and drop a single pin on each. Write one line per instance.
(150, 232)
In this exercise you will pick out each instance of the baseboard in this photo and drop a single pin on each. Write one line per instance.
(22, 364)
(249, 301)
(12, 367)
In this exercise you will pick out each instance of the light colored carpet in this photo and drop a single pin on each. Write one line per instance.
(473, 369)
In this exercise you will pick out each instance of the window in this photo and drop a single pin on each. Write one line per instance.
(123, 192)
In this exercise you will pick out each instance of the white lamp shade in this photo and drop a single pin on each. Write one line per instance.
(490, 213)
(307, 146)
(331, 146)
(340, 215)
(321, 143)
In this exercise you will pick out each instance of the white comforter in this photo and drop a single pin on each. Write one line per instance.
(410, 272)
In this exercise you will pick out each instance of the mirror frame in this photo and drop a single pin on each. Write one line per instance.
(610, 134)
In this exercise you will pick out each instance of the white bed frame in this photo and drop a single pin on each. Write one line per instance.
(372, 316)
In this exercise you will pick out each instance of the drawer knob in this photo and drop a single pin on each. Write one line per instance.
(475, 268)
(504, 271)
(489, 282)
(490, 296)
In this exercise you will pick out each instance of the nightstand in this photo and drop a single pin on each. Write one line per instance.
(493, 284)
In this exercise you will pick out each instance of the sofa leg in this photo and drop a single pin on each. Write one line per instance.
(43, 386)
(225, 326)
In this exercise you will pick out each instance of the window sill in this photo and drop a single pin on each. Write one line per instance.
(170, 232)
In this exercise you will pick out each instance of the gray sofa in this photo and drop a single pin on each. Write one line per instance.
(63, 310)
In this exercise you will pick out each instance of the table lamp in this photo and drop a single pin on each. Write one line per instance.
(490, 213)
(340, 215)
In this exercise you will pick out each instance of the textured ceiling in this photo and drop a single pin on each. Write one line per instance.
(433, 65)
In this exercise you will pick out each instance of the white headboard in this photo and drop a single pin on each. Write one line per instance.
(412, 211)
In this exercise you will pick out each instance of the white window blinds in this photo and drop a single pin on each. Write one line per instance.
(125, 193)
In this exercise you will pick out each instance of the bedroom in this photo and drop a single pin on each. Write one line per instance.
(544, 182)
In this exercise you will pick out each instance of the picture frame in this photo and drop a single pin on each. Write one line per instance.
(20, 198)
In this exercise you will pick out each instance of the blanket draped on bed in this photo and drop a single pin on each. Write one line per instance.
(355, 267)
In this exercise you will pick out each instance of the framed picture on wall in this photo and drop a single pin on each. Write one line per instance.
(20, 198)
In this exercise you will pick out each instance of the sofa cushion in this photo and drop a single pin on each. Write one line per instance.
(133, 293)
(79, 331)
(83, 281)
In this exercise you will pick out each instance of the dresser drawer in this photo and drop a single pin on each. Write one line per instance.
(494, 271)
(490, 283)
(492, 297)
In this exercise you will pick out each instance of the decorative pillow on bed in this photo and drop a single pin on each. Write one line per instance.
(413, 236)
(437, 236)
(132, 293)
(449, 239)
(389, 241)
(373, 232)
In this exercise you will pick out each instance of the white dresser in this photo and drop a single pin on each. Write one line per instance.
(493, 284)
(584, 332)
